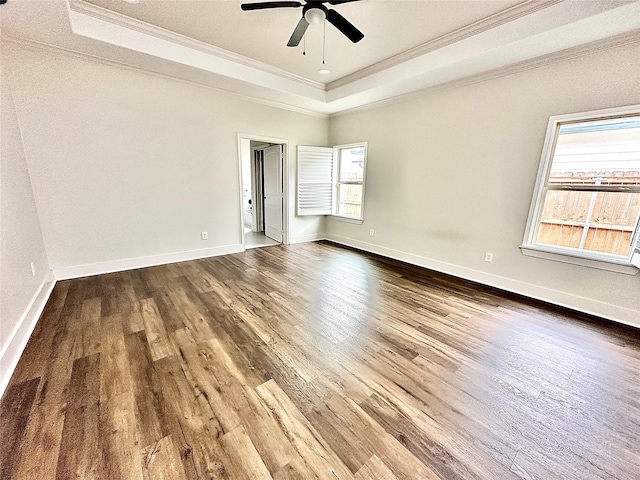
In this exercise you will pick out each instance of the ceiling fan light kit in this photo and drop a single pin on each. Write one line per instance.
(313, 13)
(315, 16)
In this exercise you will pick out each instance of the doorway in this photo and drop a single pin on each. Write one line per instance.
(264, 192)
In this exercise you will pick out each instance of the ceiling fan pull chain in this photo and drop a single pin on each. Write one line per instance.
(324, 40)
(304, 45)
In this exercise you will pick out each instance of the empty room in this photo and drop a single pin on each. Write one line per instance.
(320, 239)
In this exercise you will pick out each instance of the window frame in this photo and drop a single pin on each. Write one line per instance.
(336, 183)
(529, 247)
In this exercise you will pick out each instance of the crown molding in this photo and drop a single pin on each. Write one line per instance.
(100, 13)
(500, 18)
(537, 62)
(513, 69)
(35, 45)
(512, 40)
(505, 16)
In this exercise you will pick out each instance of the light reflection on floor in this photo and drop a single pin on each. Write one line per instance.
(349, 323)
(563, 374)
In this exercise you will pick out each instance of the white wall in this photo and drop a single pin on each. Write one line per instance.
(451, 175)
(126, 165)
(21, 293)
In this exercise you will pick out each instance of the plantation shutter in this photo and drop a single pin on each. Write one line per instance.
(315, 181)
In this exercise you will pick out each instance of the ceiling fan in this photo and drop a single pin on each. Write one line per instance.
(313, 12)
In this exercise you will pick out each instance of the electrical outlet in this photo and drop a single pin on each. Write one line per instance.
(488, 257)
(371, 232)
(204, 236)
(33, 269)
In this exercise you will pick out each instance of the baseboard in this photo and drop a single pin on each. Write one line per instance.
(574, 302)
(21, 333)
(313, 237)
(87, 270)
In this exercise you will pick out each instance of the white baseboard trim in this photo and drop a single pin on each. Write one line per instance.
(87, 270)
(21, 333)
(589, 306)
(313, 237)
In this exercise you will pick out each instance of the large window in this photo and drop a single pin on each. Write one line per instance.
(331, 181)
(587, 199)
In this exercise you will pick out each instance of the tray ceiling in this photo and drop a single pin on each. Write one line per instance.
(408, 45)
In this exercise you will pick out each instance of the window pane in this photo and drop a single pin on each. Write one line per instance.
(598, 152)
(350, 200)
(594, 221)
(352, 164)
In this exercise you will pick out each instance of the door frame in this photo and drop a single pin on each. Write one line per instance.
(257, 179)
(285, 181)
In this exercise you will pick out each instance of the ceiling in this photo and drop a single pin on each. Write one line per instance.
(408, 44)
(390, 28)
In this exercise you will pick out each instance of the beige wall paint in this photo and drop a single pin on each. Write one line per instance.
(21, 240)
(125, 164)
(451, 175)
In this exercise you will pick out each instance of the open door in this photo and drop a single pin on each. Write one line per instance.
(273, 192)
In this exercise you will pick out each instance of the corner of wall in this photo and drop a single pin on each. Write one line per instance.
(24, 289)
(20, 334)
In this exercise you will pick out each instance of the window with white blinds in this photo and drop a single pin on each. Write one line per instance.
(331, 181)
(315, 180)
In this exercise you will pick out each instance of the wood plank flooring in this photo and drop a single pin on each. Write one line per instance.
(314, 361)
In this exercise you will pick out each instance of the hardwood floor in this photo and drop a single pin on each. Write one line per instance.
(315, 361)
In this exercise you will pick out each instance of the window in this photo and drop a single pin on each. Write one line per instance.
(586, 204)
(350, 185)
(331, 181)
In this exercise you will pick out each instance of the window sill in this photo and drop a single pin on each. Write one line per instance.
(564, 257)
(340, 218)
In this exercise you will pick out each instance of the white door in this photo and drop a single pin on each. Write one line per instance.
(273, 192)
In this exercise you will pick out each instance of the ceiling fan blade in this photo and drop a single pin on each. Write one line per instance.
(345, 26)
(298, 33)
(263, 5)
(338, 2)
